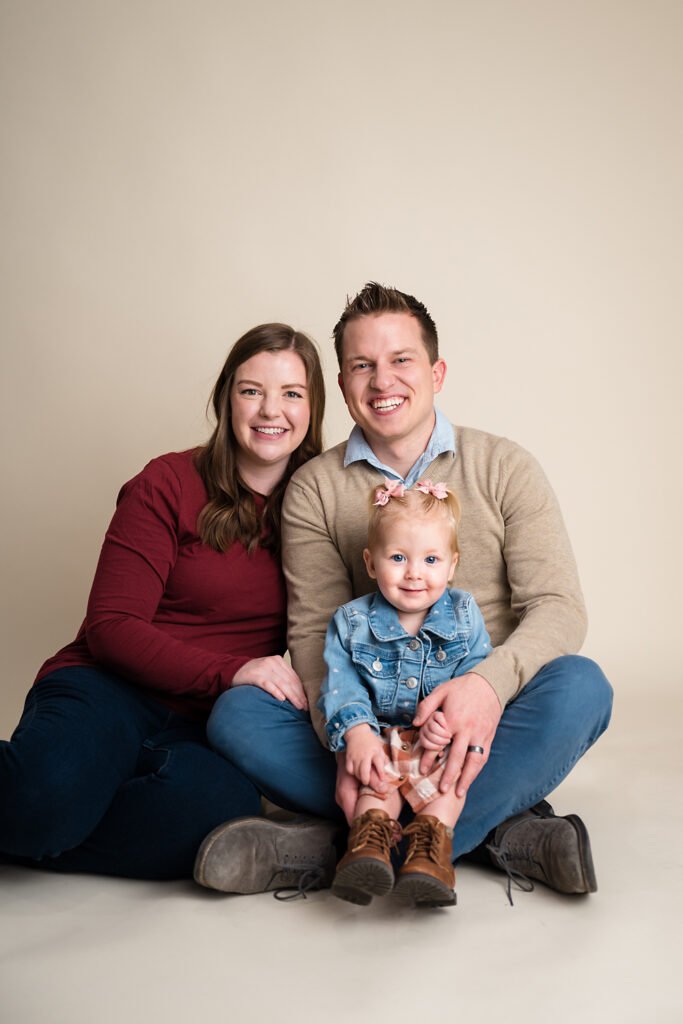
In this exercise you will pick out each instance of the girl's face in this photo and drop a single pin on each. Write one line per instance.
(413, 561)
(270, 414)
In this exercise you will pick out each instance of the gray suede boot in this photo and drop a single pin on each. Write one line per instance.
(539, 845)
(250, 855)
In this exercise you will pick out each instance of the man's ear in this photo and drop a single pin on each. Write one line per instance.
(340, 382)
(369, 564)
(438, 374)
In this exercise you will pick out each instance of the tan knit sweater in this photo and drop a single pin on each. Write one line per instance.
(515, 557)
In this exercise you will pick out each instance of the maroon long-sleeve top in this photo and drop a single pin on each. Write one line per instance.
(168, 613)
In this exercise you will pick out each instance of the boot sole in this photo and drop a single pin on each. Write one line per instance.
(360, 881)
(585, 854)
(424, 891)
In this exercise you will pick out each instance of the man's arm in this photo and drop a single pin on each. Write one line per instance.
(544, 590)
(317, 584)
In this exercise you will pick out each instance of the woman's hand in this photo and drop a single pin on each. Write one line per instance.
(276, 677)
(365, 756)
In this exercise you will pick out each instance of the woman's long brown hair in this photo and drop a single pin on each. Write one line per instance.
(230, 514)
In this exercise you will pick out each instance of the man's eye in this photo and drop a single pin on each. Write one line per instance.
(360, 366)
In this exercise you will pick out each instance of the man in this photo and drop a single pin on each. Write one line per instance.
(531, 709)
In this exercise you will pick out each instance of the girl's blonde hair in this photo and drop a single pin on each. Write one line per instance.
(390, 502)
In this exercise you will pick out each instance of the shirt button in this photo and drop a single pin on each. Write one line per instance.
(414, 644)
(411, 682)
(404, 746)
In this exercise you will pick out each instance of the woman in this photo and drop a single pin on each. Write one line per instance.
(108, 770)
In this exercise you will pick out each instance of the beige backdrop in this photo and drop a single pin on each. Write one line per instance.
(174, 172)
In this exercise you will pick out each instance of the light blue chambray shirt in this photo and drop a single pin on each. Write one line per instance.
(442, 440)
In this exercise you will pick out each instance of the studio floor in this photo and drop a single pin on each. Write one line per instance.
(80, 949)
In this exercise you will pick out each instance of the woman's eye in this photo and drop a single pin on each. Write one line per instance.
(293, 394)
(249, 392)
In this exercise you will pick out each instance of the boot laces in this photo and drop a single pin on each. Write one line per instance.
(507, 852)
(423, 841)
(294, 883)
(379, 834)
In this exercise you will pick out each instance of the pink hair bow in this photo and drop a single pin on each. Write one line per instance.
(391, 489)
(439, 491)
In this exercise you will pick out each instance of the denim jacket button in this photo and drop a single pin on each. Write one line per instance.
(440, 654)
(414, 644)
(377, 665)
(411, 682)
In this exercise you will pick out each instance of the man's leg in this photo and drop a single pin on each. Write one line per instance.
(276, 746)
(541, 736)
(558, 715)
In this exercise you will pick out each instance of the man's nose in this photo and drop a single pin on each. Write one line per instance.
(382, 377)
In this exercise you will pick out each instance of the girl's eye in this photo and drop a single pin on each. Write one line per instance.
(431, 559)
(398, 558)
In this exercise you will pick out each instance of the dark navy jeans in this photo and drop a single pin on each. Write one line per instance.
(541, 736)
(99, 778)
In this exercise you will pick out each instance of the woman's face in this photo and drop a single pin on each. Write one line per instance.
(270, 415)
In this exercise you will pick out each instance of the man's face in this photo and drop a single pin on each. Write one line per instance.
(387, 380)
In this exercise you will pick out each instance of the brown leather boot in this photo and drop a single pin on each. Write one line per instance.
(365, 869)
(427, 876)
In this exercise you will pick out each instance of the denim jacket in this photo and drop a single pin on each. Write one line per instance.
(377, 673)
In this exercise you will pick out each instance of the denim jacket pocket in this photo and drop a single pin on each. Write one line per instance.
(380, 672)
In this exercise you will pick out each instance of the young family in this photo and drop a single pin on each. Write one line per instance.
(431, 608)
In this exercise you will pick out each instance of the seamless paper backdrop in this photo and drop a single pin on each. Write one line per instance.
(174, 173)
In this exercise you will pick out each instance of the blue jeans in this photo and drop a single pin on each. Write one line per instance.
(558, 715)
(100, 778)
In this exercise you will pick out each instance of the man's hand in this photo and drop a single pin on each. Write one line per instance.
(471, 711)
(276, 677)
(365, 757)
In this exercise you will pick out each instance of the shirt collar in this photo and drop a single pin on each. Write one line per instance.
(442, 440)
(385, 625)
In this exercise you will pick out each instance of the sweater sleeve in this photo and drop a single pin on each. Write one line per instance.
(545, 593)
(139, 552)
(317, 584)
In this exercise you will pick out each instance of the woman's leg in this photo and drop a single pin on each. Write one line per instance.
(98, 778)
(275, 745)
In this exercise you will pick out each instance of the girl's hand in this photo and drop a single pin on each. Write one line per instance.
(276, 677)
(365, 757)
(435, 734)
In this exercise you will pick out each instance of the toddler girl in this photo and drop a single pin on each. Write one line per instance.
(384, 653)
